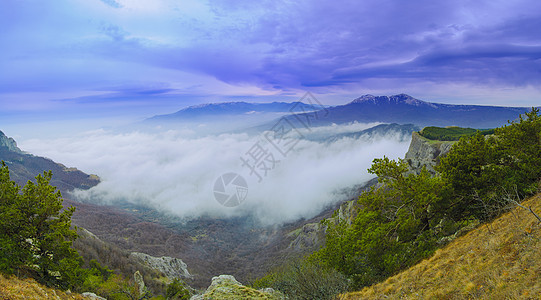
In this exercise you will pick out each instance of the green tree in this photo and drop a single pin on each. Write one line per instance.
(35, 232)
(479, 169)
(520, 146)
(177, 290)
(472, 172)
(404, 219)
(393, 228)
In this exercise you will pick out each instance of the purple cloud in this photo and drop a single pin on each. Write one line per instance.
(328, 47)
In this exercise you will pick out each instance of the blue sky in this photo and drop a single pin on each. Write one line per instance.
(122, 60)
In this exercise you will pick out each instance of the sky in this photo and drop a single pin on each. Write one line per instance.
(111, 62)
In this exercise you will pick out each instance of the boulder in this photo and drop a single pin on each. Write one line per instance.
(227, 287)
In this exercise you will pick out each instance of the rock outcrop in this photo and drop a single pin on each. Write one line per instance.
(309, 236)
(169, 266)
(425, 153)
(9, 143)
(92, 296)
(227, 287)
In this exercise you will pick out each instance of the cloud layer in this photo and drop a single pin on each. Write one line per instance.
(176, 174)
(87, 53)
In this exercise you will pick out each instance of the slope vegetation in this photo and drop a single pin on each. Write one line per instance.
(15, 288)
(499, 260)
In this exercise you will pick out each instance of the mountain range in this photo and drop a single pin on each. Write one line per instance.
(204, 111)
(216, 118)
(400, 109)
(404, 109)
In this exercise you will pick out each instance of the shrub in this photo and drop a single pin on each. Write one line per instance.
(305, 279)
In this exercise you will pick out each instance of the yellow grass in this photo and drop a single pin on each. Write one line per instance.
(501, 260)
(15, 288)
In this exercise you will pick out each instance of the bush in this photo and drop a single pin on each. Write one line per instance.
(305, 279)
(177, 290)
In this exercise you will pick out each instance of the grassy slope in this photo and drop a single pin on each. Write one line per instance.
(15, 288)
(501, 260)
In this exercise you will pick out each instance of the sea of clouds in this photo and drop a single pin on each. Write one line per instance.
(175, 172)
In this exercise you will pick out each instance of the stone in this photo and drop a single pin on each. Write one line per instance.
(92, 296)
(170, 266)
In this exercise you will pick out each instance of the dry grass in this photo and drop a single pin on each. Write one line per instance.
(15, 288)
(501, 260)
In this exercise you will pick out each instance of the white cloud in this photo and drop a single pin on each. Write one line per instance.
(176, 174)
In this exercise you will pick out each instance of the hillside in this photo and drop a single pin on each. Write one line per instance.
(500, 260)
(24, 166)
(14, 288)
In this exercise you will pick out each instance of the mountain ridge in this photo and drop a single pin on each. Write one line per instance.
(394, 99)
(404, 109)
(24, 167)
(399, 108)
(226, 108)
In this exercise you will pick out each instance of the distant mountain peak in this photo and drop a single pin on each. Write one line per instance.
(395, 99)
(214, 104)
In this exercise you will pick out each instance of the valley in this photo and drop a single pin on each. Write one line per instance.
(242, 245)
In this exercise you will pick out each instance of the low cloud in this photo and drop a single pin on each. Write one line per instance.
(176, 174)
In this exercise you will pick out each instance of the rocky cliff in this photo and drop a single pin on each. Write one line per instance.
(169, 266)
(425, 153)
(9, 143)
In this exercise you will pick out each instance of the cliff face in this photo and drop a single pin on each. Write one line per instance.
(425, 153)
(9, 143)
(170, 266)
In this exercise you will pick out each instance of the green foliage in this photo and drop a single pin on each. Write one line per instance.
(95, 277)
(470, 169)
(305, 279)
(407, 218)
(393, 229)
(117, 287)
(452, 133)
(35, 232)
(520, 145)
(177, 290)
(479, 169)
